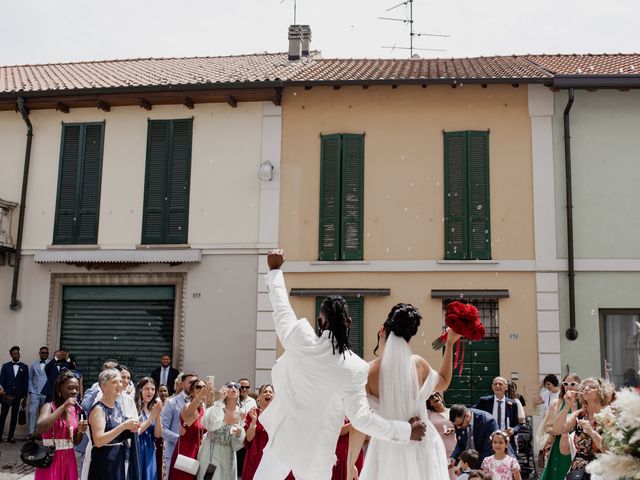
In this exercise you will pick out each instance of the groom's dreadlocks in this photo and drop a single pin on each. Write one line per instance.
(335, 311)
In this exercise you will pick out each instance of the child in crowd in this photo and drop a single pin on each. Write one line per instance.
(469, 461)
(500, 465)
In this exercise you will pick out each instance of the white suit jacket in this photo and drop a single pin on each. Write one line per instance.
(315, 390)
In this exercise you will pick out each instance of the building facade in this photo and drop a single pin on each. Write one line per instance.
(145, 220)
(418, 195)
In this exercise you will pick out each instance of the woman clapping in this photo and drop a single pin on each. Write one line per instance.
(111, 432)
(149, 408)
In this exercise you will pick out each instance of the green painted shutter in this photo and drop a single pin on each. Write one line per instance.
(329, 244)
(64, 231)
(356, 312)
(356, 334)
(78, 202)
(155, 186)
(177, 214)
(89, 198)
(167, 181)
(352, 197)
(478, 187)
(455, 200)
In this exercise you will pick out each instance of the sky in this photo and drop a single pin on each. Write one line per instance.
(52, 31)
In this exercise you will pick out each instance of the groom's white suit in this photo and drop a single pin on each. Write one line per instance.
(315, 390)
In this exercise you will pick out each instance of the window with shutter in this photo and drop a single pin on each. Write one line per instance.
(167, 181)
(79, 180)
(355, 306)
(466, 175)
(341, 197)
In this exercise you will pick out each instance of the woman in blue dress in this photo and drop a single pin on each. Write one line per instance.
(112, 434)
(149, 408)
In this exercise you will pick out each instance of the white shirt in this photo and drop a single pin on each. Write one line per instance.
(548, 397)
(503, 424)
(246, 405)
(16, 367)
(164, 375)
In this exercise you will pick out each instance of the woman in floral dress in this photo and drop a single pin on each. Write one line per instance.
(225, 435)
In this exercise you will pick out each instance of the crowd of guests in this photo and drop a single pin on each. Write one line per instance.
(169, 421)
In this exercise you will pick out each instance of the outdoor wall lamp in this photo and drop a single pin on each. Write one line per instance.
(266, 171)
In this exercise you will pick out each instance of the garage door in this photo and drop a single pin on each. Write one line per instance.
(133, 324)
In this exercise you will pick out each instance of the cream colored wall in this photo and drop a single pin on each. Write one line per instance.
(404, 179)
(219, 335)
(517, 314)
(224, 184)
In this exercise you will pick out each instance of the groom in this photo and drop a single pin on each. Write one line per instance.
(318, 382)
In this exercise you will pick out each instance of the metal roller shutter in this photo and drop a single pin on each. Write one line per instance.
(132, 324)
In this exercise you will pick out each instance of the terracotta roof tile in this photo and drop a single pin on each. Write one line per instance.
(589, 64)
(146, 72)
(274, 67)
(479, 68)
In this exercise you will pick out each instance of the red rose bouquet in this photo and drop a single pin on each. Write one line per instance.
(463, 319)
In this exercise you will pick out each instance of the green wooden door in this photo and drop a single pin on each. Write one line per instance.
(481, 365)
(132, 324)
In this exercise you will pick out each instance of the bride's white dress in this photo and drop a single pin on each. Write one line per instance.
(400, 399)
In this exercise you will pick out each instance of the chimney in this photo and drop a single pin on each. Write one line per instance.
(295, 43)
(306, 40)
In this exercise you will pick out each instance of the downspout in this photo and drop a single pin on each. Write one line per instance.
(15, 303)
(571, 332)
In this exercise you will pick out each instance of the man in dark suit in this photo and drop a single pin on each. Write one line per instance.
(473, 430)
(60, 363)
(165, 374)
(503, 409)
(14, 378)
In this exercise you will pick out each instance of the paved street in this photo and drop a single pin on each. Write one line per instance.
(11, 467)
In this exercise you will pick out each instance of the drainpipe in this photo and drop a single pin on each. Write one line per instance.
(571, 332)
(15, 303)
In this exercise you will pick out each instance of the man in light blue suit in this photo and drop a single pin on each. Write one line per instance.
(170, 417)
(37, 380)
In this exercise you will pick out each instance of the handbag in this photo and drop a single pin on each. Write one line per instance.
(22, 416)
(7, 399)
(580, 474)
(36, 455)
(187, 464)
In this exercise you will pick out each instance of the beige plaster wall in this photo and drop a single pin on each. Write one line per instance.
(224, 184)
(404, 179)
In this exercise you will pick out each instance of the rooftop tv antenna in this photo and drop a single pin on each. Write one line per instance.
(409, 20)
(295, 10)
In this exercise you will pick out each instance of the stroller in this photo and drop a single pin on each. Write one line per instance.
(526, 458)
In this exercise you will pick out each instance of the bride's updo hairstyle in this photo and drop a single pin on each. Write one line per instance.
(403, 321)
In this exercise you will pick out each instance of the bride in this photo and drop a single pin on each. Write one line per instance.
(398, 387)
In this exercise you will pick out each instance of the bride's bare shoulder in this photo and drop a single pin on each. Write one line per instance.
(422, 367)
(374, 374)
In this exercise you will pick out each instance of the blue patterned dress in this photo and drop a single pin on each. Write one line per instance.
(147, 451)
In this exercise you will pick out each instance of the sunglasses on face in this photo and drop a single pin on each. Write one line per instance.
(569, 384)
(244, 388)
(233, 385)
(199, 387)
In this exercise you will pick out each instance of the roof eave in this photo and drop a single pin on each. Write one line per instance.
(419, 81)
(266, 84)
(596, 81)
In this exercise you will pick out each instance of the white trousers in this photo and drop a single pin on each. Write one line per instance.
(271, 468)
